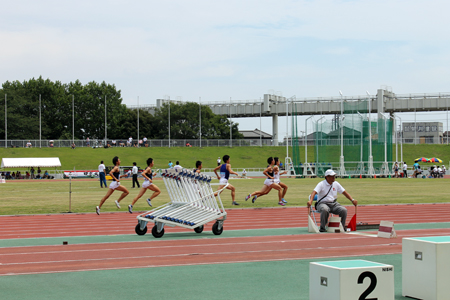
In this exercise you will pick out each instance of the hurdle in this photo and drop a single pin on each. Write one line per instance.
(193, 204)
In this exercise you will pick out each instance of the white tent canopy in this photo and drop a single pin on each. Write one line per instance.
(27, 162)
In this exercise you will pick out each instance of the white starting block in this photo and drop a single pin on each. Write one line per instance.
(334, 224)
(426, 267)
(351, 279)
(386, 230)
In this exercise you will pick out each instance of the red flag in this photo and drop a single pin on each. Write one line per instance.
(352, 223)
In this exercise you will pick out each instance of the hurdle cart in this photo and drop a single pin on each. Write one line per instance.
(193, 204)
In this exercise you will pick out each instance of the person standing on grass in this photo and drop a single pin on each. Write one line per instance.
(218, 161)
(101, 174)
(225, 171)
(148, 184)
(115, 185)
(135, 172)
(326, 191)
(405, 169)
(269, 184)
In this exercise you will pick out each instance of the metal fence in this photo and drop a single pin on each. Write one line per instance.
(123, 143)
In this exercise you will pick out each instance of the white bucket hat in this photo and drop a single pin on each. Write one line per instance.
(330, 172)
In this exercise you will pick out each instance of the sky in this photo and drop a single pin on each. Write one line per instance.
(241, 50)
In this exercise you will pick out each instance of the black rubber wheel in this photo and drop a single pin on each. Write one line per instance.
(155, 232)
(215, 229)
(199, 229)
(139, 231)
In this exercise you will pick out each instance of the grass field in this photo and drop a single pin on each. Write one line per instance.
(51, 196)
(241, 157)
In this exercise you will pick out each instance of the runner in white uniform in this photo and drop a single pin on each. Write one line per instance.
(148, 184)
(268, 184)
(115, 185)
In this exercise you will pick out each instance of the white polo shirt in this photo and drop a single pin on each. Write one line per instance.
(322, 189)
(135, 170)
(101, 168)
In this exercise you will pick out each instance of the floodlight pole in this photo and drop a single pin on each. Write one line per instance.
(342, 172)
(231, 126)
(40, 123)
(260, 123)
(370, 171)
(200, 118)
(169, 122)
(73, 119)
(6, 122)
(362, 130)
(396, 138)
(401, 138)
(306, 164)
(138, 122)
(106, 127)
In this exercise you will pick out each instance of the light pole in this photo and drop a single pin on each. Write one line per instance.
(401, 138)
(6, 123)
(370, 171)
(200, 118)
(106, 127)
(260, 123)
(40, 123)
(362, 130)
(342, 172)
(169, 122)
(231, 126)
(317, 141)
(137, 121)
(73, 119)
(306, 165)
(396, 138)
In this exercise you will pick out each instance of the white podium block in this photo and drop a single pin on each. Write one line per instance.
(350, 279)
(426, 267)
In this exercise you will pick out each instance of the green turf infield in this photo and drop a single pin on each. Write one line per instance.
(51, 196)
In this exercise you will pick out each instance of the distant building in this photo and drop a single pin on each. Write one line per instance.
(255, 134)
(423, 132)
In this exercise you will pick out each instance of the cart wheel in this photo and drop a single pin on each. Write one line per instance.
(215, 229)
(139, 231)
(199, 229)
(155, 232)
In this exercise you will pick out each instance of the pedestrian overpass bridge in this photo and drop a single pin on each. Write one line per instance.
(385, 101)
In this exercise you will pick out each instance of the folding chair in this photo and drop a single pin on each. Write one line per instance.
(313, 226)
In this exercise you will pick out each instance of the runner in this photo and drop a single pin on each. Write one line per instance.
(268, 184)
(148, 184)
(198, 167)
(225, 171)
(277, 180)
(115, 185)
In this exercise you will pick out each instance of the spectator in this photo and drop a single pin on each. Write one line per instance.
(51, 144)
(218, 161)
(27, 175)
(244, 174)
(405, 170)
(395, 167)
(13, 175)
(145, 141)
(88, 143)
(39, 173)
(177, 166)
(28, 144)
(121, 144)
(46, 175)
(170, 164)
(135, 175)
(188, 145)
(73, 146)
(32, 173)
(130, 142)
(101, 174)
(113, 142)
(439, 170)
(443, 170)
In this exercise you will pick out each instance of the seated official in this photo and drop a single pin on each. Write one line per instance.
(326, 191)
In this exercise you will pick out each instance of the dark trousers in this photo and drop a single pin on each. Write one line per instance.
(102, 179)
(135, 180)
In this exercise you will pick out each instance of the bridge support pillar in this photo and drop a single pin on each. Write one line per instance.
(275, 129)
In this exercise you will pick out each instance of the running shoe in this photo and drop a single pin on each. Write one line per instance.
(149, 201)
(97, 210)
(234, 203)
(117, 204)
(281, 203)
(284, 201)
(130, 209)
(254, 199)
(248, 197)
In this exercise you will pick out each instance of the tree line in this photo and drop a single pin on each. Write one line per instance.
(58, 101)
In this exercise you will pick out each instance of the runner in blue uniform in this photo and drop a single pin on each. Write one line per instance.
(148, 184)
(115, 185)
(225, 171)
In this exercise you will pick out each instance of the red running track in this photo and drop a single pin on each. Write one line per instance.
(160, 252)
(37, 226)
